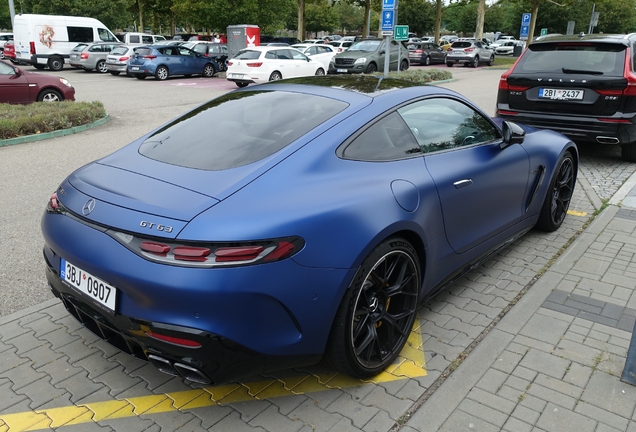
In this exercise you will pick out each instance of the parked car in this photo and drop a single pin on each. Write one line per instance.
(264, 63)
(581, 86)
(469, 53)
(117, 60)
(9, 51)
(367, 55)
(279, 39)
(215, 51)
(322, 214)
(313, 41)
(4, 38)
(183, 36)
(18, 86)
(341, 45)
(319, 52)
(501, 40)
(208, 38)
(426, 53)
(163, 61)
(92, 56)
(507, 48)
(132, 38)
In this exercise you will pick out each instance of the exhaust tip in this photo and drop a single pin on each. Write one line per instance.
(607, 140)
(179, 369)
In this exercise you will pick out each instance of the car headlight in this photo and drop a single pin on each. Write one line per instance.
(361, 60)
(65, 82)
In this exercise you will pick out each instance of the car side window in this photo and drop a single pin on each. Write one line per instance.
(134, 39)
(387, 139)
(5, 69)
(147, 39)
(394, 46)
(270, 55)
(443, 123)
(297, 55)
(200, 48)
(283, 55)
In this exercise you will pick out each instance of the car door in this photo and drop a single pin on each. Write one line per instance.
(14, 87)
(192, 62)
(323, 55)
(395, 55)
(481, 187)
(302, 66)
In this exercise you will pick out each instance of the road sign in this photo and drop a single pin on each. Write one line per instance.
(525, 19)
(401, 33)
(388, 4)
(570, 29)
(523, 33)
(387, 20)
(544, 31)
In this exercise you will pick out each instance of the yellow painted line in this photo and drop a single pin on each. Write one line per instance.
(410, 364)
(576, 213)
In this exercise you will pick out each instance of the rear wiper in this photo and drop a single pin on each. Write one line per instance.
(577, 71)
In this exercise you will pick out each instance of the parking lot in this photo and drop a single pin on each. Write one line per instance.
(61, 376)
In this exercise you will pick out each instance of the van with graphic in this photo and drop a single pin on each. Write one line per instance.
(47, 40)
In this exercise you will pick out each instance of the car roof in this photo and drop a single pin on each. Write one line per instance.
(609, 38)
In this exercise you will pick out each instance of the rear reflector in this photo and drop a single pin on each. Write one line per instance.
(504, 112)
(612, 120)
(149, 57)
(32, 48)
(175, 340)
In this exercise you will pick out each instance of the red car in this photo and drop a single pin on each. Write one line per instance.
(9, 50)
(21, 87)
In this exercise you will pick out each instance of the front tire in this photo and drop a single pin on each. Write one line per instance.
(162, 73)
(491, 61)
(377, 312)
(56, 63)
(50, 95)
(275, 76)
(404, 65)
(557, 199)
(101, 66)
(371, 68)
(209, 70)
(427, 61)
(449, 64)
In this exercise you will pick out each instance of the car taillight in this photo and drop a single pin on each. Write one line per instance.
(469, 50)
(449, 49)
(630, 90)
(229, 63)
(418, 51)
(505, 112)
(503, 81)
(84, 56)
(211, 254)
(149, 57)
(256, 64)
(123, 59)
(32, 47)
(53, 204)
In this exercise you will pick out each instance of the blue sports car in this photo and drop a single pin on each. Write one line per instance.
(309, 226)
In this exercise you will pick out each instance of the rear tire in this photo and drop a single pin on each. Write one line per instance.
(275, 76)
(241, 84)
(449, 64)
(475, 62)
(114, 73)
(376, 314)
(140, 77)
(101, 67)
(39, 66)
(559, 194)
(427, 61)
(628, 152)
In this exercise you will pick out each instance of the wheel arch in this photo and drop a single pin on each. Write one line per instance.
(48, 87)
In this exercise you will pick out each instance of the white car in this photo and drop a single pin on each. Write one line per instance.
(319, 52)
(270, 63)
(117, 59)
(502, 39)
(341, 45)
(507, 48)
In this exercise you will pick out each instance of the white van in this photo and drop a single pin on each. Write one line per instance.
(47, 40)
(140, 38)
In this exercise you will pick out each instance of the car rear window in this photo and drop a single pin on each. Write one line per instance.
(461, 44)
(574, 57)
(238, 129)
(119, 51)
(247, 55)
(143, 51)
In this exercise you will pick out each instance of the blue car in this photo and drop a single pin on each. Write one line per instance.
(164, 61)
(326, 210)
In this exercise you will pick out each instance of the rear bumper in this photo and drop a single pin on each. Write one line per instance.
(577, 128)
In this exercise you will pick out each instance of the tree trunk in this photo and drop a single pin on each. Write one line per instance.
(481, 11)
(140, 3)
(367, 18)
(438, 20)
(301, 19)
(533, 20)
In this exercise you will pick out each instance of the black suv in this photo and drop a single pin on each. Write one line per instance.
(582, 86)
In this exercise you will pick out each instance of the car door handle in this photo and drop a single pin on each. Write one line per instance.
(463, 183)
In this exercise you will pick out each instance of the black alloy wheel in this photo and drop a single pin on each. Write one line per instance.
(371, 68)
(559, 195)
(404, 65)
(376, 315)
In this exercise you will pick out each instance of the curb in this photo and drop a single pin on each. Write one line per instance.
(54, 134)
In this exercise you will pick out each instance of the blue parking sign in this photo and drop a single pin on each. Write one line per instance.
(525, 19)
(387, 20)
(525, 30)
(388, 4)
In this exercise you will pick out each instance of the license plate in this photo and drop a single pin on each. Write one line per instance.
(236, 75)
(458, 51)
(134, 68)
(341, 70)
(110, 60)
(101, 292)
(560, 94)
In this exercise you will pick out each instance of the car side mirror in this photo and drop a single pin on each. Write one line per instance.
(18, 71)
(512, 134)
(382, 52)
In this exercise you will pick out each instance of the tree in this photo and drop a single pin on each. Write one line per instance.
(350, 16)
(419, 15)
(107, 11)
(320, 17)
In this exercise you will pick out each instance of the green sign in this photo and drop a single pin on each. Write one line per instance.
(401, 32)
(544, 31)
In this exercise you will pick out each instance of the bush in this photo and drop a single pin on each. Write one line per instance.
(41, 117)
(421, 76)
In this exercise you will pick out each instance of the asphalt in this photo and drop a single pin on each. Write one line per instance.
(535, 339)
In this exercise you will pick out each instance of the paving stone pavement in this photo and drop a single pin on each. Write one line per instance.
(524, 342)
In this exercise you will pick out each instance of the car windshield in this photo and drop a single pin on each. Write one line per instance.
(249, 126)
(369, 45)
(247, 55)
(572, 58)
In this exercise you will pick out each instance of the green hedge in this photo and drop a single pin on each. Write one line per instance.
(421, 75)
(41, 117)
